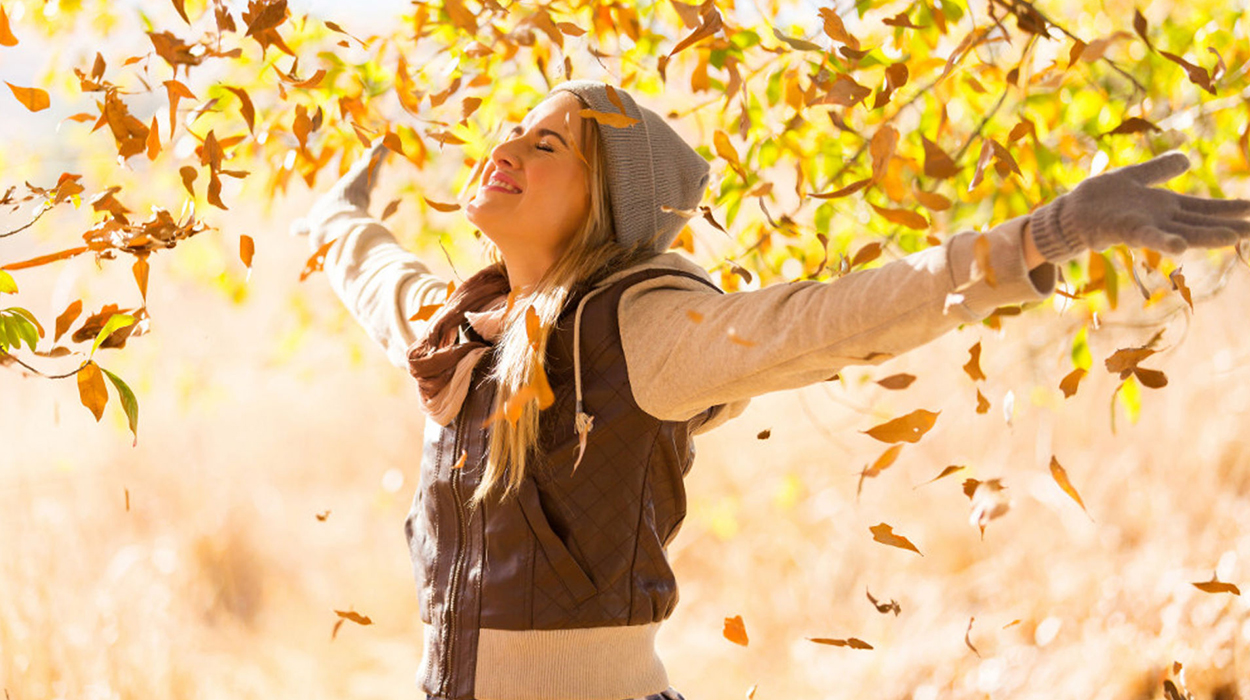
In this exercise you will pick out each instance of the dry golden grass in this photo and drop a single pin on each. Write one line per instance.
(220, 581)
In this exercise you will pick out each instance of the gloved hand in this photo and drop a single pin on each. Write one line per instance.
(1120, 207)
(352, 191)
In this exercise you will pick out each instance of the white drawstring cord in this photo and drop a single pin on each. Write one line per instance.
(583, 422)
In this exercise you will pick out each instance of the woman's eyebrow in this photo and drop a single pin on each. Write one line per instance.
(541, 132)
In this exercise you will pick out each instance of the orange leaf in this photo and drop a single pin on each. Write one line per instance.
(1060, 476)
(849, 189)
(736, 630)
(439, 206)
(32, 98)
(425, 312)
(246, 108)
(179, 5)
(932, 201)
(247, 248)
(406, 90)
(6, 34)
(973, 367)
(533, 327)
(140, 270)
(1070, 383)
(91, 389)
(895, 382)
(317, 261)
(868, 253)
(188, 174)
(850, 642)
(881, 148)
(983, 404)
(936, 161)
(269, 17)
(67, 318)
(908, 428)
(885, 535)
(618, 121)
(154, 140)
(45, 259)
(1217, 586)
(353, 616)
(945, 473)
(883, 462)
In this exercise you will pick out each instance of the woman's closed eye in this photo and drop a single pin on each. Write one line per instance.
(546, 147)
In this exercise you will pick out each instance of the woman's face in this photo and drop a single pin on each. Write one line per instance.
(533, 194)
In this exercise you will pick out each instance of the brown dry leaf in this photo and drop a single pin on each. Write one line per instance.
(881, 148)
(736, 630)
(440, 206)
(937, 163)
(908, 428)
(612, 119)
(945, 473)
(983, 404)
(764, 434)
(932, 201)
(1197, 74)
(188, 174)
(883, 462)
(140, 270)
(866, 254)
(425, 312)
(896, 382)
(885, 535)
(32, 98)
(710, 23)
(1060, 476)
(269, 16)
(1070, 383)
(247, 248)
(973, 367)
(849, 189)
(91, 389)
(1151, 378)
(1217, 586)
(6, 34)
(67, 318)
(903, 217)
(983, 160)
(850, 642)
(968, 637)
(895, 77)
(1178, 284)
(901, 20)
(1124, 361)
(180, 6)
(245, 107)
(845, 92)
(316, 261)
(353, 616)
(1132, 125)
(883, 608)
(321, 517)
(390, 208)
(835, 29)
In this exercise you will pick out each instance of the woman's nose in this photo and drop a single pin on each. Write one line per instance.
(504, 155)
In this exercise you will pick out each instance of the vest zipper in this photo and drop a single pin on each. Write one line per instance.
(458, 557)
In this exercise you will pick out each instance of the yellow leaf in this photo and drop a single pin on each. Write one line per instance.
(736, 630)
(618, 121)
(885, 535)
(1060, 476)
(725, 149)
(908, 428)
(32, 98)
(91, 389)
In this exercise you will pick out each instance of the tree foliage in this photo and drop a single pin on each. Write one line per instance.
(840, 136)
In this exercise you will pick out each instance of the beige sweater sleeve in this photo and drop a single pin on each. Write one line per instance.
(381, 283)
(790, 335)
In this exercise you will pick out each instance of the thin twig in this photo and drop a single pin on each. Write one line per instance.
(984, 120)
(28, 224)
(15, 358)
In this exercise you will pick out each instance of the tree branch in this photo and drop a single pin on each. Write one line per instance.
(7, 357)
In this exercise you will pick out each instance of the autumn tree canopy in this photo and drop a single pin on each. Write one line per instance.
(839, 137)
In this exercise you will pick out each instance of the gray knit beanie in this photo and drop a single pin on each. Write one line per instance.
(649, 167)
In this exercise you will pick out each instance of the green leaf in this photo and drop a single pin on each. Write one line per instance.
(1081, 357)
(6, 341)
(115, 322)
(20, 325)
(8, 285)
(129, 403)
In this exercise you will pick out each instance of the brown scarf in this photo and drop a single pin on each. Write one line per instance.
(443, 364)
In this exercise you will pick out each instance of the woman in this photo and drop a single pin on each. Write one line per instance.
(563, 383)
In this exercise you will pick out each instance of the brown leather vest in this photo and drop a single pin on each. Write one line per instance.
(571, 549)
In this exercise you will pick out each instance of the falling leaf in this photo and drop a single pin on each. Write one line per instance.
(316, 261)
(66, 319)
(908, 428)
(895, 382)
(968, 637)
(973, 366)
(709, 24)
(1132, 125)
(426, 312)
(6, 34)
(140, 270)
(850, 642)
(464, 456)
(883, 462)
(130, 405)
(1178, 284)
(883, 608)
(900, 20)
(45, 259)
(245, 106)
(1011, 624)
(845, 92)
(932, 201)
(1060, 476)
(1070, 383)
(271, 15)
(1197, 74)
(247, 248)
(1217, 586)
(983, 404)
(188, 174)
(866, 254)
(735, 630)
(885, 535)
(751, 691)
(984, 267)
(91, 389)
(800, 44)
(936, 161)
(1151, 378)
(440, 206)
(764, 434)
(835, 29)
(849, 189)
(612, 119)
(321, 517)
(881, 147)
(8, 285)
(32, 98)
(903, 217)
(945, 473)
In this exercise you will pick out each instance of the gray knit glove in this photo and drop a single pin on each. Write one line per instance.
(352, 191)
(1120, 207)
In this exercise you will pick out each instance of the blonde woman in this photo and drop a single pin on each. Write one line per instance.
(564, 382)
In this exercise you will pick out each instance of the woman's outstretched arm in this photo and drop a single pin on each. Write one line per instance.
(380, 282)
(688, 348)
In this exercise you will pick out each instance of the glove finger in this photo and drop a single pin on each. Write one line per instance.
(1152, 237)
(1218, 207)
(1238, 225)
(1156, 170)
(1203, 236)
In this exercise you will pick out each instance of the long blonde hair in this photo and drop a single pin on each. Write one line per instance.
(520, 353)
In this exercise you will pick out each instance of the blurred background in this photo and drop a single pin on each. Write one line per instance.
(277, 453)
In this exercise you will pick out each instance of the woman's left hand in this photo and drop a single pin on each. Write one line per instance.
(1120, 207)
